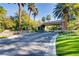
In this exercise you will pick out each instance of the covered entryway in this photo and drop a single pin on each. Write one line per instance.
(58, 22)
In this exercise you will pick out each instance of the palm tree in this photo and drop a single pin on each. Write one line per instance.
(35, 13)
(31, 8)
(62, 11)
(48, 17)
(66, 11)
(20, 5)
(20, 8)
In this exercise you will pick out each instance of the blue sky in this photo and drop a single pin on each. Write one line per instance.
(44, 9)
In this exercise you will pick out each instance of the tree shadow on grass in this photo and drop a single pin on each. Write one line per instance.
(68, 48)
(69, 53)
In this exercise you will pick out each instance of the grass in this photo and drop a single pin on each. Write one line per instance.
(67, 45)
(3, 36)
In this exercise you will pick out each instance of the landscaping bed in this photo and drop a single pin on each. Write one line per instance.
(7, 33)
(3, 36)
(67, 44)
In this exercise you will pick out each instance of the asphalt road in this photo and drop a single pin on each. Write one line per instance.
(29, 44)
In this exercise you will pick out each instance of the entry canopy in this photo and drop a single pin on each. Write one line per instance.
(57, 22)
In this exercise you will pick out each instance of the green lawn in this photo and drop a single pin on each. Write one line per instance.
(67, 45)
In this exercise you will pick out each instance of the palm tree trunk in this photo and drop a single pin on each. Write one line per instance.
(29, 17)
(65, 21)
(20, 9)
(29, 20)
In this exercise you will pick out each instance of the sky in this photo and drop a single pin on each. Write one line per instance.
(44, 9)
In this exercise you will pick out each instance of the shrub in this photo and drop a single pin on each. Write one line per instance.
(3, 36)
(1, 30)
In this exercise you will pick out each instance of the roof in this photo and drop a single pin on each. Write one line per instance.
(58, 22)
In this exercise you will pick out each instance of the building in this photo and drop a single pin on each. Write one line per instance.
(41, 27)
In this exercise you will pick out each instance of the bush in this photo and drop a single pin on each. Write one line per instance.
(1, 30)
(33, 29)
(3, 36)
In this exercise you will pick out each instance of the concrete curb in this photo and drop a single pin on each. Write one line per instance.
(52, 46)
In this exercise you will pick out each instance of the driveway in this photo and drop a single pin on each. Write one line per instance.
(29, 44)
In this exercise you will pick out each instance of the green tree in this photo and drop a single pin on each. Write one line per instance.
(35, 13)
(64, 11)
(20, 5)
(43, 19)
(31, 8)
(9, 24)
(48, 17)
(61, 11)
(2, 11)
(24, 18)
(20, 8)
(2, 16)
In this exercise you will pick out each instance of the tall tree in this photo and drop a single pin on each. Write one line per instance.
(35, 13)
(43, 19)
(24, 18)
(31, 8)
(2, 16)
(48, 17)
(62, 11)
(20, 8)
(20, 5)
(2, 11)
